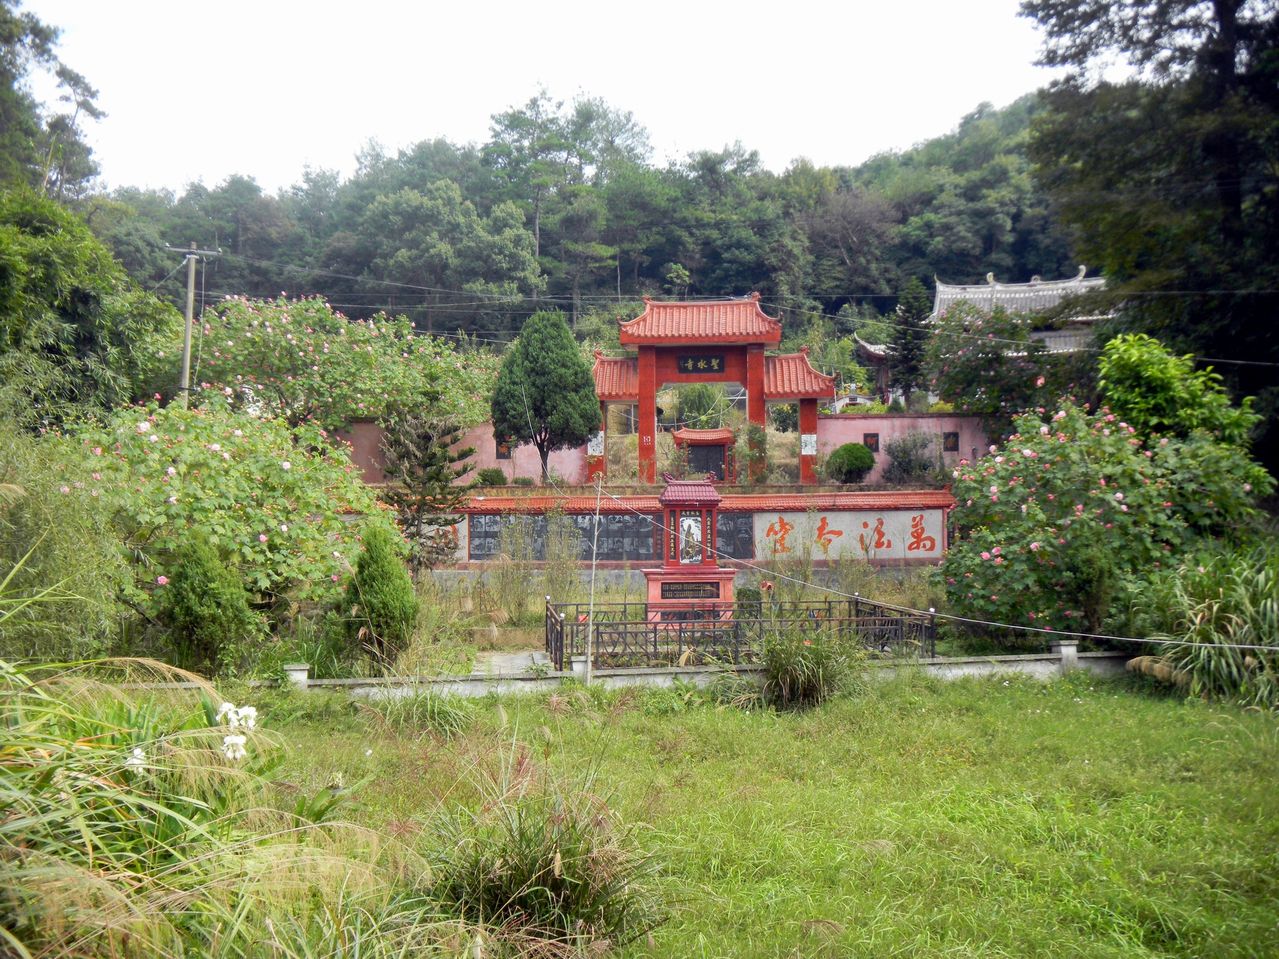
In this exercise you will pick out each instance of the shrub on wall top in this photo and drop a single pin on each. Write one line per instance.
(850, 463)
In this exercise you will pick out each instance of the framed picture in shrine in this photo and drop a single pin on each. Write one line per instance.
(871, 441)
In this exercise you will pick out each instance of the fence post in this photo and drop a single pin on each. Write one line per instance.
(297, 675)
(1068, 650)
(932, 633)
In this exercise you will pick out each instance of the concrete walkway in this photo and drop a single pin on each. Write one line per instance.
(494, 663)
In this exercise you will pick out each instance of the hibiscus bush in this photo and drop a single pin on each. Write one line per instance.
(278, 503)
(304, 361)
(1075, 505)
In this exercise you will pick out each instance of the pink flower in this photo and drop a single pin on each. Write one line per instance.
(1034, 547)
(334, 577)
(1119, 496)
(65, 489)
(162, 581)
(996, 551)
(1040, 381)
(286, 465)
(261, 537)
(97, 451)
(985, 555)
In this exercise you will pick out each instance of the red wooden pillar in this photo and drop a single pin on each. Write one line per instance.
(756, 411)
(647, 415)
(807, 440)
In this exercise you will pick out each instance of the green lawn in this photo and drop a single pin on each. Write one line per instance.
(912, 818)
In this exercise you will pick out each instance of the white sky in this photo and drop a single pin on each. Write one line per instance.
(198, 91)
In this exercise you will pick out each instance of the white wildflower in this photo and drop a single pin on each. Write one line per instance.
(137, 759)
(233, 747)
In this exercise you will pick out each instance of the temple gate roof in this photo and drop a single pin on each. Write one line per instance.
(701, 322)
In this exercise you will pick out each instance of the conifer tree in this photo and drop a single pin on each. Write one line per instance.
(545, 394)
(910, 337)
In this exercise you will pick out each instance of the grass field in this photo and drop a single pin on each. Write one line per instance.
(912, 818)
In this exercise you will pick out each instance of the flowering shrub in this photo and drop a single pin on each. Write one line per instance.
(1072, 503)
(302, 360)
(1048, 521)
(268, 498)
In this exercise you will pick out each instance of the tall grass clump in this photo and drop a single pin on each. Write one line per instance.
(511, 579)
(141, 827)
(804, 667)
(49, 535)
(1218, 603)
(545, 863)
(423, 712)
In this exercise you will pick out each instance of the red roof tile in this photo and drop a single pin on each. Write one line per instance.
(732, 502)
(791, 376)
(698, 492)
(616, 377)
(701, 437)
(703, 322)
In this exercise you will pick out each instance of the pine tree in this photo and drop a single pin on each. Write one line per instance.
(421, 465)
(910, 337)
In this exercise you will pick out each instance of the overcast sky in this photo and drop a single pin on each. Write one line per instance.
(198, 91)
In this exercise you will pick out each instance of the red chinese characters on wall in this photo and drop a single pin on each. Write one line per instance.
(825, 535)
(919, 542)
(878, 538)
(777, 533)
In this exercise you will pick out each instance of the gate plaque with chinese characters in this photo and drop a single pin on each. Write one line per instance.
(701, 364)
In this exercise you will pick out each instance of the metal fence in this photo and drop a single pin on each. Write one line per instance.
(623, 634)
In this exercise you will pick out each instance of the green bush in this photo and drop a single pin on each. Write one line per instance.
(523, 481)
(850, 463)
(206, 609)
(803, 667)
(380, 601)
(491, 476)
(914, 460)
(429, 712)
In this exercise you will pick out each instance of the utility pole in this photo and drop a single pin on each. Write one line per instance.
(192, 254)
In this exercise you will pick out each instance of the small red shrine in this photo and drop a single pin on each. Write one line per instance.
(690, 575)
(708, 341)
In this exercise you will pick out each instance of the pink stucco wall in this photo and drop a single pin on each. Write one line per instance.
(365, 439)
(568, 465)
(836, 429)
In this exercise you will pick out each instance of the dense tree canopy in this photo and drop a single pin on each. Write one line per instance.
(75, 331)
(1168, 177)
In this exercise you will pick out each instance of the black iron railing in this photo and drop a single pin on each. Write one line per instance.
(627, 634)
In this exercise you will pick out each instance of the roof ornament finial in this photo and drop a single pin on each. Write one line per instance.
(1036, 280)
(755, 296)
(990, 278)
(1082, 270)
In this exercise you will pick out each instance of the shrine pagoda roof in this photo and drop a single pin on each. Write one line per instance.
(1033, 297)
(697, 492)
(701, 322)
(788, 376)
(685, 435)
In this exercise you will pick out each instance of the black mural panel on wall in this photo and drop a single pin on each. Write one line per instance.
(626, 537)
(735, 535)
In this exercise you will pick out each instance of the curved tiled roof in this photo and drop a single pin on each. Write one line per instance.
(1033, 297)
(702, 322)
(616, 377)
(697, 492)
(791, 376)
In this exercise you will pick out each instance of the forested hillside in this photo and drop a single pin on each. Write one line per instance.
(563, 204)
